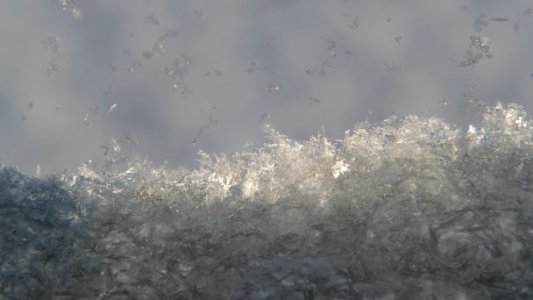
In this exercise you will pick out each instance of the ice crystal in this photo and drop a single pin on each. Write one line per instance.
(480, 47)
(71, 7)
(355, 23)
(254, 67)
(147, 55)
(159, 44)
(110, 109)
(52, 42)
(274, 87)
(179, 67)
(151, 19)
(398, 39)
(480, 23)
(51, 70)
(391, 67)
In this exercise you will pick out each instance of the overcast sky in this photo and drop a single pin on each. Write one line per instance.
(178, 76)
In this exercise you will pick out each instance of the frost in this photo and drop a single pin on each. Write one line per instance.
(409, 208)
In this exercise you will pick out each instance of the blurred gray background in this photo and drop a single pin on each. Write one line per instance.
(169, 77)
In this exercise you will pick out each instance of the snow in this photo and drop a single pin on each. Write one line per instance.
(408, 208)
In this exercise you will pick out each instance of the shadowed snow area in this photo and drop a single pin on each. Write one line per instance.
(410, 208)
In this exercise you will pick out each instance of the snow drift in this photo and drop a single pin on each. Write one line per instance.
(411, 208)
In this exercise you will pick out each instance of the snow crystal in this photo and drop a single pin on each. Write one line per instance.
(151, 19)
(110, 109)
(274, 87)
(159, 44)
(480, 47)
(52, 42)
(71, 7)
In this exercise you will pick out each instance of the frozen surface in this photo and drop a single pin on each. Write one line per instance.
(410, 208)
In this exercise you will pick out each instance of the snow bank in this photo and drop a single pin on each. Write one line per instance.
(411, 208)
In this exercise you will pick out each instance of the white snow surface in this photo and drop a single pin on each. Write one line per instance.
(409, 208)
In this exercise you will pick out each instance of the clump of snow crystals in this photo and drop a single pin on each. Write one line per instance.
(411, 208)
